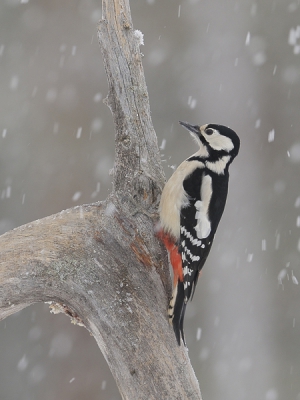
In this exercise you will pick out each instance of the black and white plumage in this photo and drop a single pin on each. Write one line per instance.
(191, 207)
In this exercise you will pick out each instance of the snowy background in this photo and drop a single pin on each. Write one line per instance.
(206, 61)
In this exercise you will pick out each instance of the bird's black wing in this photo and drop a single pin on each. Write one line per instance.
(196, 233)
(193, 246)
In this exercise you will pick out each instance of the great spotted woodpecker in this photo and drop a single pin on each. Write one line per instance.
(191, 207)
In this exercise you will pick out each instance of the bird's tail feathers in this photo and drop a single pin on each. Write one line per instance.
(177, 310)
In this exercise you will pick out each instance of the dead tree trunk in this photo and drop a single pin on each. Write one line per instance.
(101, 263)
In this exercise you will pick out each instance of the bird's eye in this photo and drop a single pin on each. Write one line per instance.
(209, 131)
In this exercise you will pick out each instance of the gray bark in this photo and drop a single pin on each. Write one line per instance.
(101, 263)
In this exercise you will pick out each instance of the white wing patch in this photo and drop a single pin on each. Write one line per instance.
(203, 226)
(174, 197)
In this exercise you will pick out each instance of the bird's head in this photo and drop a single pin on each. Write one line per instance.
(217, 139)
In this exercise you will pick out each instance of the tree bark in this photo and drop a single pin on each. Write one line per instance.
(101, 263)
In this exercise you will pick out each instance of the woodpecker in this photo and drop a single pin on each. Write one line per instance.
(191, 206)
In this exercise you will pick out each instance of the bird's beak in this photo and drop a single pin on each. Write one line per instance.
(192, 128)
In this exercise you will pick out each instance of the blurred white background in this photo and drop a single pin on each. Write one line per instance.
(235, 63)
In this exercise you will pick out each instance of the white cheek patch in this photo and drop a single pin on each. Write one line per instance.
(219, 142)
(218, 166)
(203, 226)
